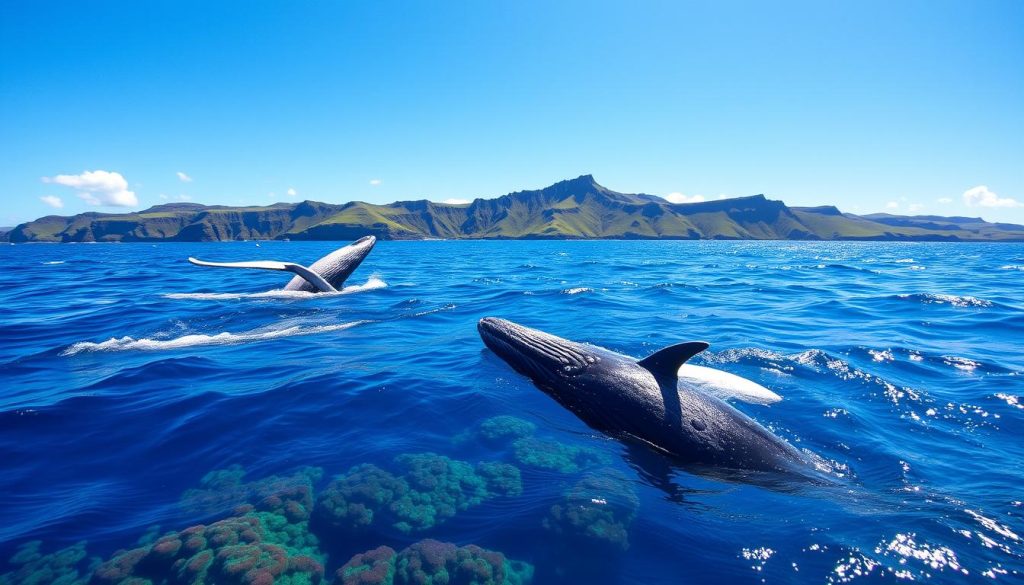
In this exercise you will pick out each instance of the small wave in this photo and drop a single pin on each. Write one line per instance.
(960, 363)
(1012, 267)
(373, 283)
(881, 356)
(576, 291)
(197, 340)
(53, 262)
(940, 299)
(904, 261)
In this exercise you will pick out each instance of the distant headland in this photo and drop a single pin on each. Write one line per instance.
(574, 209)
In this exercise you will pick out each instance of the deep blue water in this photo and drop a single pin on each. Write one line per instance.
(899, 364)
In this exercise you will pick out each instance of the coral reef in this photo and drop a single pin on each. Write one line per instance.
(596, 512)
(430, 562)
(238, 550)
(430, 489)
(353, 500)
(375, 567)
(223, 489)
(503, 429)
(555, 456)
(68, 566)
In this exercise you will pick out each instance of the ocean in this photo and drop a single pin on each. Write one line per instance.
(143, 396)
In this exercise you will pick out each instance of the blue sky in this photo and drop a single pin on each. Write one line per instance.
(872, 106)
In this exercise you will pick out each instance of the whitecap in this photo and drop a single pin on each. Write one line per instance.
(576, 291)
(960, 363)
(954, 300)
(128, 343)
(373, 283)
(53, 262)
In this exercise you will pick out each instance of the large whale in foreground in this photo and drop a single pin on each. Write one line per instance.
(644, 400)
(327, 274)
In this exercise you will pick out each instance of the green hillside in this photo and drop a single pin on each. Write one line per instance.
(574, 209)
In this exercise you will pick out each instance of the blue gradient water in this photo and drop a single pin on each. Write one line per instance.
(900, 364)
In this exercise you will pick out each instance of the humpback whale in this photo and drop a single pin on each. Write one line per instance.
(644, 400)
(327, 274)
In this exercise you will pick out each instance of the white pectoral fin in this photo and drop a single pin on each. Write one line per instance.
(725, 385)
(312, 277)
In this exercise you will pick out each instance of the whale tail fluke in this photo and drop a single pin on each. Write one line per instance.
(314, 279)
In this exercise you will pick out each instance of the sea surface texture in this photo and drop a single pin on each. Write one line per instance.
(297, 434)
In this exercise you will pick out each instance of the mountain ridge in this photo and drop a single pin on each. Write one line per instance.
(577, 208)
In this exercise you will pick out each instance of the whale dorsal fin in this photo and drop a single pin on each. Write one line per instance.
(665, 362)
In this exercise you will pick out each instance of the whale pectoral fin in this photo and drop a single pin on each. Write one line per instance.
(312, 277)
(665, 362)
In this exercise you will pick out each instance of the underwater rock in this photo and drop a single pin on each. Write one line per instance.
(68, 566)
(428, 490)
(596, 512)
(431, 562)
(555, 456)
(253, 549)
(505, 428)
(224, 489)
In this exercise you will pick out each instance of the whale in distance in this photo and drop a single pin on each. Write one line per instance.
(327, 274)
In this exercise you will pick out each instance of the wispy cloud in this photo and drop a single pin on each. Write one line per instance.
(915, 207)
(944, 200)
(183, 177)
(892, 205)
(53, 201)
(176, 197)
(680, 198)
(982, 197)
(455, 201)
(98, 188)
(375, 182)
(292, 192)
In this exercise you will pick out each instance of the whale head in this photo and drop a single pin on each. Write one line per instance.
(557, 366)
(337, 266)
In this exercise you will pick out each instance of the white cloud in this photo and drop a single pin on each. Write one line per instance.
(915, 207)
(982, 197)
(183, 177)
(944, 200)
(680, 198)
(177, 197)
(375, 182)
(292, 192)
(892, 205)
(456, 201)
(98, 188)
(53, 201)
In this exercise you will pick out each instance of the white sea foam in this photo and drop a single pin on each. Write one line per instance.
(198, 340)
(576, 291)
(1012, 267)
(373, 283)
(954, 300)
(53, 262)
